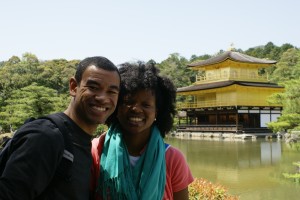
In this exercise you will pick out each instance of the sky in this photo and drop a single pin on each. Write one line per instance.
(132, 30)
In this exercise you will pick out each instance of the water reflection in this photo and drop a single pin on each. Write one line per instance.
(270, 152)
(251, 169)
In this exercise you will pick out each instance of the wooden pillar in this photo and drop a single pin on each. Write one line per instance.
(237, 120)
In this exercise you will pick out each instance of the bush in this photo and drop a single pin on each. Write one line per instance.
(205, 190)
(3, 138)
(295, 177)
(100, 129)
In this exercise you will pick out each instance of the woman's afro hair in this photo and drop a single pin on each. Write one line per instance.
(140, 76)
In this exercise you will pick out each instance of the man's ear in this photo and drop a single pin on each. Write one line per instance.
(73, 87)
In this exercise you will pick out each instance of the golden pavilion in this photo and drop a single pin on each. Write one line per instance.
(229, 95)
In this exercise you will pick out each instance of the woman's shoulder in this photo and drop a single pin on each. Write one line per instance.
(174, 154)
(178, 172)
(97, 144)
(96, 140)
(172, 150)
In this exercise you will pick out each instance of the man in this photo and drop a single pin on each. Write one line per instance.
(31, 170)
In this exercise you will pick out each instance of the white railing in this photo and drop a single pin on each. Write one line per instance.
(239, 102)
(247, 77)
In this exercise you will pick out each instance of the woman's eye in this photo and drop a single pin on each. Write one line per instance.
(146, 105)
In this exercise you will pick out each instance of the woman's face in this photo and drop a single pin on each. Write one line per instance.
(137, 112)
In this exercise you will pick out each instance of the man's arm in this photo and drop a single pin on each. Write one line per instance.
(32, 165)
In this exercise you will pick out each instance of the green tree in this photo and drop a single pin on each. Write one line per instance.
(14, 60)
(18, 73)
(287, 74)
(269, 51)
(290, 99)
(288, 67)
(56, 74)
(286, 47)
(175, 67)
(30, 101)
(195, 58)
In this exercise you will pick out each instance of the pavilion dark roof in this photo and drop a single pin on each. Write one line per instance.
(235, 56)
(225, 84)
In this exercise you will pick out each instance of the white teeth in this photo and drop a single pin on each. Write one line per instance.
(100, 108)
(135, 119)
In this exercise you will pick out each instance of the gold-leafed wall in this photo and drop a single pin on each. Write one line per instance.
(234, 95)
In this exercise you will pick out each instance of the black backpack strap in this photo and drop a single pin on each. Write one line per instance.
(4, 155)
(6, 150)
(64, 168)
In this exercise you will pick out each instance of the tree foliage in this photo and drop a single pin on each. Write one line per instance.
(290, 99)
(26, 102)
(56, 73)
(288, 67)
(287, 73)
(175, 67)
(30, 87)
(268, 51)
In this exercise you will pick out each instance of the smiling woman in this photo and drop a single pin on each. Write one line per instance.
(131, 161)
(136, 114)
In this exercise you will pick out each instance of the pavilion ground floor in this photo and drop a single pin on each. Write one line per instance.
(239, 119)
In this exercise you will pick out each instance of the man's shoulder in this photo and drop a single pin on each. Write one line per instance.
(40, 127)
(39, 124)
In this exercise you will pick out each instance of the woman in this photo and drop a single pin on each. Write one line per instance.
(131, 161)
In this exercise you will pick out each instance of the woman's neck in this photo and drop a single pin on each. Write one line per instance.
(135, 144)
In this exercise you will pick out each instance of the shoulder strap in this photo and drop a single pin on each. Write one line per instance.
(6, 149)
(4, 141)
(4, 154)
(64, 168)
(167, 146)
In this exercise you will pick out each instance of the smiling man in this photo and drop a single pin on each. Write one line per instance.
(36, 156)
(95, 95)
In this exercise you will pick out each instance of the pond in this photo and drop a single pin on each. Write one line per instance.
(251, 169)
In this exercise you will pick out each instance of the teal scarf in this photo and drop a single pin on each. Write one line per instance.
(119, 180)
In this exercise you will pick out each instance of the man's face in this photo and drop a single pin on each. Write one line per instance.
(95, 97)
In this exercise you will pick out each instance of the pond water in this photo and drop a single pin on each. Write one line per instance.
(251, 169)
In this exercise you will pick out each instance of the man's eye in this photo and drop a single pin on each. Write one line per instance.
(92, 87)
(113, 92)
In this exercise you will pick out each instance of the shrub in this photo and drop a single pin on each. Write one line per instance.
(3, 138)
(205, 190)
(100, 129)
(294, 176)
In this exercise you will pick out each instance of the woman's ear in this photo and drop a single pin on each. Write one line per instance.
(73, 87)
